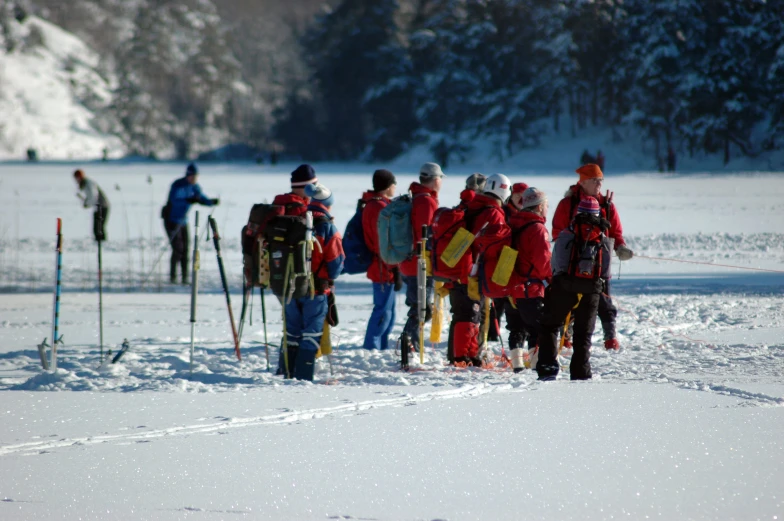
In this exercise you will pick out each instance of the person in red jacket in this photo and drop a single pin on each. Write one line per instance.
(424, 203)
(503, 306)
(590, 184)
(485, 210)
(382, 319)
(475, 183)
(296, 202)
(533, 266)
(515, 202)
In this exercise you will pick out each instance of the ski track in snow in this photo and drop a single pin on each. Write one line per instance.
(666, 339)
(226, 424)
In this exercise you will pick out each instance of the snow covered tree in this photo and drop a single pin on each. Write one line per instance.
(658, 38)
(725, 96)
(355, 53)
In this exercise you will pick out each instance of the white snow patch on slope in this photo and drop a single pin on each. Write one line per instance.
(43, 91)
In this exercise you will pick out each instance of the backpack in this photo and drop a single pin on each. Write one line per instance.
(395, 237)
(497, 259)
(451, 241)
(290, 275)
(255, 257)
(358, 255)
(582, 250)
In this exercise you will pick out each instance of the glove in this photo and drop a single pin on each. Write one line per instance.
(398, 279)
(215, 202)
(624, 253)
(192, 200)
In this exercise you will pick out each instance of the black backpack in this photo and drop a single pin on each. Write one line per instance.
(289, 256)
(255, 255)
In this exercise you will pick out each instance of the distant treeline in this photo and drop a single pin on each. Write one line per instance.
(694, 75)
(368, 79)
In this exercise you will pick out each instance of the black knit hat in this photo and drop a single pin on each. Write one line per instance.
(383, 179)
(303, 175)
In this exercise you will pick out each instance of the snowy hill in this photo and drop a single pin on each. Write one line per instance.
(50, 92)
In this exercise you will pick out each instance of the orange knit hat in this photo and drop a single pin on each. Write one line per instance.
(590, 171)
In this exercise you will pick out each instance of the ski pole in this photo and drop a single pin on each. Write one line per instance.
(245, 291)
(216, 241)
(422, 292)
(58, 275)
(264, 319)
(100, 280)
(194, 285)
(566, 324)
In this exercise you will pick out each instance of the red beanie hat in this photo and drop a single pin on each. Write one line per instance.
(519, 188)
(590, 205)
(590, 171)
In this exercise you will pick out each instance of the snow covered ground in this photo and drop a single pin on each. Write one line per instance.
(683, 423)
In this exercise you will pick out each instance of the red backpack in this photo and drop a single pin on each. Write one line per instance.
(446, 223)
(491, 242)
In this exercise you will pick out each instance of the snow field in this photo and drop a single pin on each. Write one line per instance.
(680, 424)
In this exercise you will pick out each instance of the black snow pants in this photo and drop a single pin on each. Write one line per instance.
(560, 298)
(607, 313)
(178, 238)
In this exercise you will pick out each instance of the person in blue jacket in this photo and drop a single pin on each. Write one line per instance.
(183, 193)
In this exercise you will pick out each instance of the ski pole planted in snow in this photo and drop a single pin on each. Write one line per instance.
(422, 292)
(194, 284)
(264, 319)
(56, 339)
(100, 282)
(216, 241)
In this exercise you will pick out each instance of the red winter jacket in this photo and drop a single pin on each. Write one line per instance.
(567, 209)
(490, 212)
(294, 204)
(424, 204)
(378, 271)
(533, 254)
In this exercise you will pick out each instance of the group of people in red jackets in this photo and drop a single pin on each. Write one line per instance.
(544, 292)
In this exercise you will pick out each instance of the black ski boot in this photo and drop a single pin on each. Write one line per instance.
(305, 366)
(405, 350)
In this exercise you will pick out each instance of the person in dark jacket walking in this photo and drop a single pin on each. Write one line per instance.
(184, 192)
(92, 196)
(382, 319)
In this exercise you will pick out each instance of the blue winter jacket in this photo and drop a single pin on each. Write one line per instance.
(327, 260)
(181, 195)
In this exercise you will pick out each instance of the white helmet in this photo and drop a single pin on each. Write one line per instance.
(499, 185)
